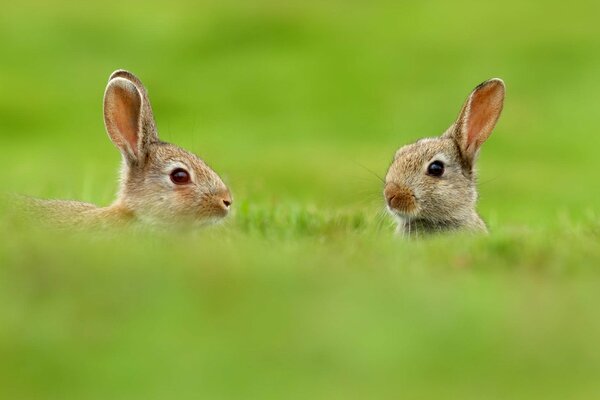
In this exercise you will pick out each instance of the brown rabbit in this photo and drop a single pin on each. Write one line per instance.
(430, 186)
(160, 183)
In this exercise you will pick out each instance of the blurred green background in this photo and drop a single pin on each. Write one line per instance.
(304, 292)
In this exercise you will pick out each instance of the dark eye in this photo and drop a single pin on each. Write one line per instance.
(436, 169)
(180, 176)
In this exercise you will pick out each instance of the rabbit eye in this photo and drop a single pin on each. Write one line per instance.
(436, 169)
(180, 176)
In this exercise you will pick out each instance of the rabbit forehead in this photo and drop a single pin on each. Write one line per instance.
(413, 156)
(166, 154)
(165, 157)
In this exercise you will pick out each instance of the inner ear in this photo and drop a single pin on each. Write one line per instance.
(477, 118)
(128, 115)
(484, 110)
(122, 114)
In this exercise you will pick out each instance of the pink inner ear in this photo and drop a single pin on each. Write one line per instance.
(484, 110)
(126, 112)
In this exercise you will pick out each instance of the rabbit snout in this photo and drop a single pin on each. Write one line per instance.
(224, 200)
(217, 204)
(399, 198)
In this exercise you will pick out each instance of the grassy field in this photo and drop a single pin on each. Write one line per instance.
(305, 292)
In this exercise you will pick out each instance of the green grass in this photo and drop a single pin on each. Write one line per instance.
(305, 292)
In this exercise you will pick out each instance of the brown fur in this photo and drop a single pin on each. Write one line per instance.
(146, 192)
(425, 204)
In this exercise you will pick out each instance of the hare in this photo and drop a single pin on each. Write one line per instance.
(431, 184)
(160, 183)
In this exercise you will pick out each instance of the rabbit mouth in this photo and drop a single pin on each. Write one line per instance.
(403, 215)
(210, 216)
(213, 215)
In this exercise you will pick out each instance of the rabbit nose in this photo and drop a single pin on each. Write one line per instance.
(399, 197)
(227, 200)
(389, 192)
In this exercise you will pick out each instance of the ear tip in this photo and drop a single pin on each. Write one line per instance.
(495, 82)
(118, 73)
(123, 84)
(122, 73)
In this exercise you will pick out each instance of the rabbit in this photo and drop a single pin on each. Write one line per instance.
(160, 183)
(431, 184)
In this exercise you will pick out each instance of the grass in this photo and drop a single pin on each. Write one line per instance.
(305, 292)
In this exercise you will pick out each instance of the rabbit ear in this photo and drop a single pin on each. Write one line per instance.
(128, 116)
(121, 73)
(478, 117)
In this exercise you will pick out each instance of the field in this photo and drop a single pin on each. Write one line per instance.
(304, 292)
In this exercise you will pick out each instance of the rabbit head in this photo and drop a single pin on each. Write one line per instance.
(160, 182)
(431, 184)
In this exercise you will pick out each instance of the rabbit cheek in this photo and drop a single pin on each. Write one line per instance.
(448, 198)
(183, 197)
